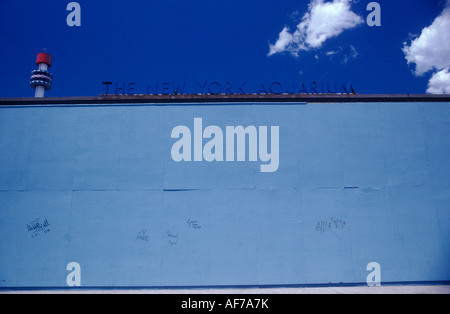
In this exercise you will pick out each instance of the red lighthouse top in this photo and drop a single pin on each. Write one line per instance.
(43, 57)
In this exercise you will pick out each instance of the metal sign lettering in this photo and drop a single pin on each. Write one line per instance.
(226, 88)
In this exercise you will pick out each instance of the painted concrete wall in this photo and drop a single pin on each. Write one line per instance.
(97, 185)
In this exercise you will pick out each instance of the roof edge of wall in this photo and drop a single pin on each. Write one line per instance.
(237, 98)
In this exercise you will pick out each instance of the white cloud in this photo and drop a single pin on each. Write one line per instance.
(284, 40)
(353, 54)
(440, 82)
(323, 21)
(431, 50)
(331, 53)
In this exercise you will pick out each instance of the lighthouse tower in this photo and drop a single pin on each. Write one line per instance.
(41, 79)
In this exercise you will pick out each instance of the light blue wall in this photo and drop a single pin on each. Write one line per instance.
(117, 204)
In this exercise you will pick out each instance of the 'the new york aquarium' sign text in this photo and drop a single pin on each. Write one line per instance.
(226, 88)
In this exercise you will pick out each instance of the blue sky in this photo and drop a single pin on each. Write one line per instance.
(191, 44)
